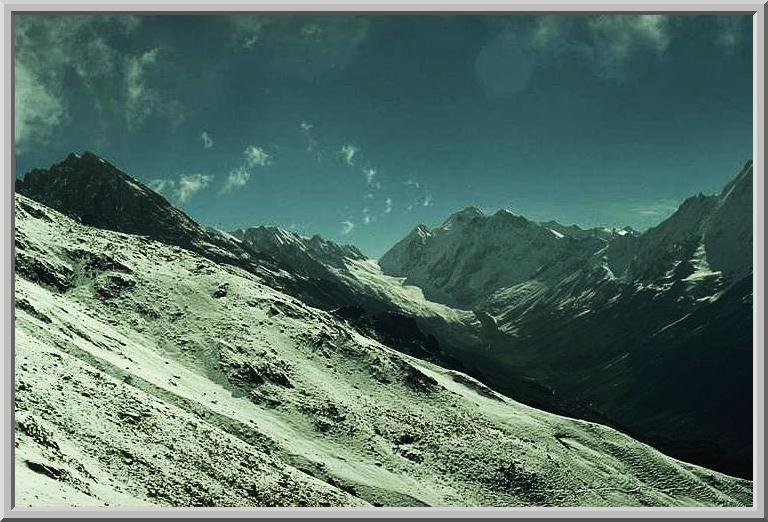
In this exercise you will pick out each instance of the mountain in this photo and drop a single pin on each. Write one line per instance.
(152, 374)
(91, 190)
(315, 252)
(99, 194)
(652, 331)
(472, 255)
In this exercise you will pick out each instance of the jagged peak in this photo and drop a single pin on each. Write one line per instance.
(468, 212)
(420, 231)
(504, 211)
(462, 216)
(88, 158)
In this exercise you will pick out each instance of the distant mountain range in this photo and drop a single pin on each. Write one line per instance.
(653, 331)
(648, 332)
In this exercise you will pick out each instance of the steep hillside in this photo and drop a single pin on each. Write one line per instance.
(203, 386)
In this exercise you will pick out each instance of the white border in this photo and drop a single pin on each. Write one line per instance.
(543, 6)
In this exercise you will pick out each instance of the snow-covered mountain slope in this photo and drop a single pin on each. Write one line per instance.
(148, 374)
(584, 319)
(472, 255)
(93, 191)
(307, 254)
(358, 291)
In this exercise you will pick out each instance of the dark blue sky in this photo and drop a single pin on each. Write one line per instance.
(359, 128)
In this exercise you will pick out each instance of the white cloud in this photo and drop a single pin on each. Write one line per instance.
(257, 156)
(621, 35)
(180, 191)
(246, 30)
(38, 110)
(609, 42)
(367, 218)
(190, 184)
(412, 183)
(52, 48)
(388, 205)
(370, 175)
(609, 45)
(348, 153)
(236, 178)
(140, 98)
(347, 227)
(427, 200)
(207, 140)
(303, 46)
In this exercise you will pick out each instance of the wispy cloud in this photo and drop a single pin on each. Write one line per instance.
(38, 109)
(246, 30)
(182, 189)
(367, 218)
(610, 42)
(236, 178)
(347, 227)
(388, 205)
(606, 45)
(77, 49)
(348, 152)
(207, 140)
(370, 175)
(306, 130)
(255, 156)
(427, 201)
(140, 98)
(619, 37)
(303, 46)
(191, 184)
(412, 183)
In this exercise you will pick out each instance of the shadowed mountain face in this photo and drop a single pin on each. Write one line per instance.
(649, 332)
(99, 194)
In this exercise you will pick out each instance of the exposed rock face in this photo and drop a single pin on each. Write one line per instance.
(103, 196)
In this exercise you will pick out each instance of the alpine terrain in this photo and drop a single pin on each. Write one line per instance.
(651, 332)
(161, 362)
